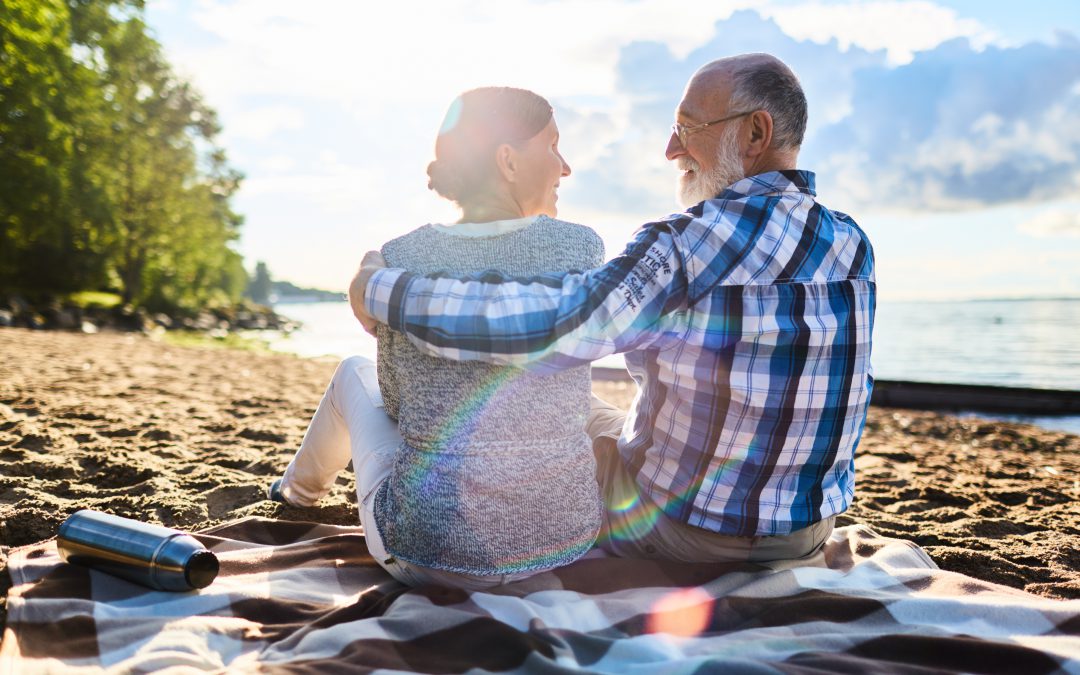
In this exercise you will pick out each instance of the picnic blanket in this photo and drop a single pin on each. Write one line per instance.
(295, 597)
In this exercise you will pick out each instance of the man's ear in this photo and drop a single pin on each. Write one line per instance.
(506, 161)
(761, 130)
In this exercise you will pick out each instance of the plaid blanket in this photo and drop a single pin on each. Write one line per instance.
(304, 597)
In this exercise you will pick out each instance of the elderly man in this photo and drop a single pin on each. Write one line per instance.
(746, 322)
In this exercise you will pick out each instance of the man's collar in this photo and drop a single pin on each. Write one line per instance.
(771, 182)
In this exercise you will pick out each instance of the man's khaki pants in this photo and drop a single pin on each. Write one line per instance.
(634, 527)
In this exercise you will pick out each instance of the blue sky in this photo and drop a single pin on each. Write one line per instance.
(949, 130)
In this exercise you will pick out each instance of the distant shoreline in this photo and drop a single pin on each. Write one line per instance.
(941, 301)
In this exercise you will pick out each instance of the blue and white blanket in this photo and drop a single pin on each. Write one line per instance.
(295, 597)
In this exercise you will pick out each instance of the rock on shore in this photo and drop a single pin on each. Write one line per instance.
(53, 314)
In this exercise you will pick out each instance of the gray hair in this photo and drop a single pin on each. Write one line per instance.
(771, 86)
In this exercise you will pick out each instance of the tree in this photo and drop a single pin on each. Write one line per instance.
(261, 285)
(173, 220)
(48, 221)
(112, 176)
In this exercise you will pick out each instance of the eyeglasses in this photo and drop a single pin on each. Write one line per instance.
(681, 131)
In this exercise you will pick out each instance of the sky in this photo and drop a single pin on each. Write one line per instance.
(950, 130)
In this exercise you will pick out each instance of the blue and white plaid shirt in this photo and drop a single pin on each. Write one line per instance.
(746, 322)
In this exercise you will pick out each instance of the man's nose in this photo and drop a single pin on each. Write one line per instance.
(675, 148)
(565, 167)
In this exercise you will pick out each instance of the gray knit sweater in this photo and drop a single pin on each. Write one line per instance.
(495, 474)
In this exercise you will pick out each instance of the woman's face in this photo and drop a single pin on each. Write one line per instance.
(540, 168)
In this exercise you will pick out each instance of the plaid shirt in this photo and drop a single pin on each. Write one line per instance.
(746, 322)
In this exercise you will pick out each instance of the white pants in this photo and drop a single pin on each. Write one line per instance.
(350, 423)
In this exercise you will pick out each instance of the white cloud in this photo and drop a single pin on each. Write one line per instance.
(959, 129)
(408, 52)
(276, 164)
(1053, 223)
(333, 193)
(258, 124)
(899, 27)
(630, 175)
(331, 108)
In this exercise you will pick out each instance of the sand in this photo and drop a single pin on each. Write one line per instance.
(190, 437)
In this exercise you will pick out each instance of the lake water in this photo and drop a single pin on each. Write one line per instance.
(1019, 343)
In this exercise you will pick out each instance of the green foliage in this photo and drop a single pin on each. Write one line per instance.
(93, 299)
(188, 338)
(112, 178)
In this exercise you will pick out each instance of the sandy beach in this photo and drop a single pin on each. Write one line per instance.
(190, 437)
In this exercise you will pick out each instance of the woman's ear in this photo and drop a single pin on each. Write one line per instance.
(506, 161)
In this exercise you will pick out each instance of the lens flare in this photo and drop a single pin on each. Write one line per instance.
(634, 517)
(682, 613)
(626, 505)
(630, 520)
(453, 116)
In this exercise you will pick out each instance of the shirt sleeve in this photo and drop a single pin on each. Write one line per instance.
(550, 321)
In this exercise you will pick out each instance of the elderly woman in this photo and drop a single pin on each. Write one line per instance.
(468, 474)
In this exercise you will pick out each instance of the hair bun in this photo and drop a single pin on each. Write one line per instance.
(444, 180)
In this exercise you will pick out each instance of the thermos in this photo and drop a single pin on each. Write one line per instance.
(150, 555)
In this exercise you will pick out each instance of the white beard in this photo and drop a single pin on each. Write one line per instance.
(728, 169)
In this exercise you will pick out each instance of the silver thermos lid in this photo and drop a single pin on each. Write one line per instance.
(151, 555)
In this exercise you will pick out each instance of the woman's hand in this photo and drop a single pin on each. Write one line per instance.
(372, 263)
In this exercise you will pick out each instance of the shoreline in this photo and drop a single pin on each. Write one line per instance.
(190, 437)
